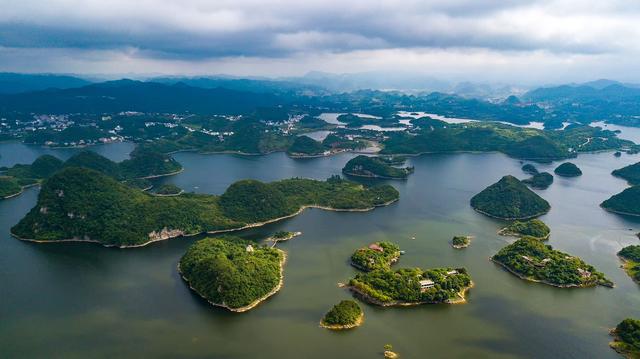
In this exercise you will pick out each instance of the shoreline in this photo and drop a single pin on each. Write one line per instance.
(22, 188)
(463, 246)
(620, 212)
(358, 323)
(508, 218)
(506, 233)
(253, 304)
(462, 299)
(375, 176)
(620, 346)
(544, 281)
(251, 225)
(626, 266)
(162, 175)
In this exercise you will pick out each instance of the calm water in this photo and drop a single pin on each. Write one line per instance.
(82, 300)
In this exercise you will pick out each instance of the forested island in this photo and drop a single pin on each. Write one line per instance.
(79, 204)
(376, 167)
(627, 338)
(630, 173)
(532, 260)
(530, 169)
(379, 255)
(459, 242)
(568, 169)
(412, 286)
(142, 165)
(540, 180)
(233, 273)
(626, 202)
(345, 315)
(630, 255)
(509, 199)
(531, 228)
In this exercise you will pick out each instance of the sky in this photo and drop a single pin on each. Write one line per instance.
(534, 41)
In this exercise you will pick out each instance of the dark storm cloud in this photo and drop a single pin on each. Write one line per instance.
(195, 29)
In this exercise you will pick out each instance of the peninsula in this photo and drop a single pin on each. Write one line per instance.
(630, 255)
(79, 204)
(532, 260)
(232, 273)
(509, 199)
(627, 338)
(630, 173)
(626, 202)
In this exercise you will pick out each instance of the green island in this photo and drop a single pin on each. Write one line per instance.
(540, 180)
(509, 199)
(630, 173)
(532, 260)
(530, 169)
(459, 242)
(168, 190)
(232, 273)
(626, 202)
(9, 187)
(79, 204)
(627, 338)
(345, 315)
(531, 228)
(568, 169)
(379, 255)
(412, 286)
(142, 165)
(375, 167)
(306, 146)
(630, 255)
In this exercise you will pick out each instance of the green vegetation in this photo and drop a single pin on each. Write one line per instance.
(625, 202)
(531, 228)
(365, 166)
(459, 242)
(568, 169)
(143, 163)
(232, 272)
(630, 173)
(344, 315)
(83, 204)
(531, 259)
(627, 338)
(169, 190)
(530, 169)
(411, 286)
(631, 257)
(540, 180)
(282, 234)
(379, 255)
(509, 199)
(9, 187)
(306, 146)
(523, 143)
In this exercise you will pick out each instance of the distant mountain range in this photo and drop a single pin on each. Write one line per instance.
(129, 95)
(11, 83)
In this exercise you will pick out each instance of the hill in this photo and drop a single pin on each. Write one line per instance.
(630, 173)
(128, 95)
(568, 169)
(12, 83)
(80, 204)
(625, 202)
(509, 199)
(366, 166)
(231, 272)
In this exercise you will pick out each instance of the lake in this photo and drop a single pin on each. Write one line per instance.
(77, 300)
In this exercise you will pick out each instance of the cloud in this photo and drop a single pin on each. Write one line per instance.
(198, 32)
